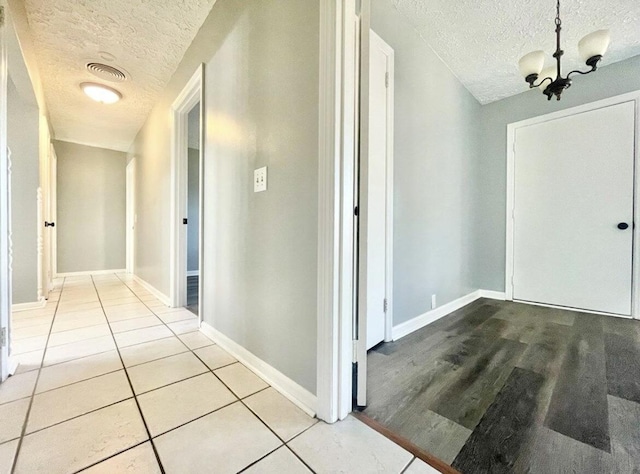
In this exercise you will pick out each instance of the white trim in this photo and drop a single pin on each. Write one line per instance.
(153, 290)
(493, 295)
(406, 328)
(191, 94)
(90, 273)
(297, 394)
(193, 273)
(510, 208)
(16, 308)
(5, 201)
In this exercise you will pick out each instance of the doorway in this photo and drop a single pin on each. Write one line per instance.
(571, 219)
(187, 192)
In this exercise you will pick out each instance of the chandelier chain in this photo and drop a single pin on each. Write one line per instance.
(558, 20)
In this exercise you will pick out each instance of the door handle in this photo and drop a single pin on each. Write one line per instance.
(49, 224)
(623, 226)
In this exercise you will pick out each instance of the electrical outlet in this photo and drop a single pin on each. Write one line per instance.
(433, 301)
(260, 180)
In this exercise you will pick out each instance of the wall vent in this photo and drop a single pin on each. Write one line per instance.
(108, 73)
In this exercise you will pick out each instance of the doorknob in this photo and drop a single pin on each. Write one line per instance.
(49, 224)
(623, 226)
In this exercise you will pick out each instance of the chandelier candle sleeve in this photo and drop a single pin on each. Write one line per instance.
(592, 48)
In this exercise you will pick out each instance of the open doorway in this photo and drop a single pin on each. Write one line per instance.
(193, 209)
(187, 190)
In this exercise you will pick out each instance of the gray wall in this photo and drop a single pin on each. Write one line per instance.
(261, 110)
(91, 208)
(436, 151)
(193, 213)
(22, 129)
(618, 78)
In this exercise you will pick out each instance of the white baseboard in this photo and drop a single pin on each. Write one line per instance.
(193, 273)
(153, 290)
(93, 272)
(406, 328)
(297, 394)
(493, 295)
(15, 308)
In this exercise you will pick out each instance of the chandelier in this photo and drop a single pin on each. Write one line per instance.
(591, 48)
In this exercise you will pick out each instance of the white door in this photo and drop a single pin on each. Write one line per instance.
(45, 208)
(573, 218)
(5, 206)
(131, 209)
(53, 199)
(376, 222)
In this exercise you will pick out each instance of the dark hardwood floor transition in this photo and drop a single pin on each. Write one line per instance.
(509, 387)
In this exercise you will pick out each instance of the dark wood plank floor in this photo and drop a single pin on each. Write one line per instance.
(192, 294)
(508, 387)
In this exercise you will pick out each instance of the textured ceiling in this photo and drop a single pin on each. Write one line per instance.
(482, 40)
(146, 38)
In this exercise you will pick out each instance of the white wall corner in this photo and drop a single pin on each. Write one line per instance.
(493, 295)
(153, 290)
(297, 394)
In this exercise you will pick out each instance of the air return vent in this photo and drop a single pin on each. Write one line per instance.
(108, 73)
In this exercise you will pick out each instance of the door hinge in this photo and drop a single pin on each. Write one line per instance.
(185, 221)
(3, 337)
(386, 79)
(384, 305)
(355, 211)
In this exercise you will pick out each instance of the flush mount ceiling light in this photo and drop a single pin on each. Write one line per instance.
(592, 47)
(100, 93)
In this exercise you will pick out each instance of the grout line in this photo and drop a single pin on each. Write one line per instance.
(144, 421)
(78, 381)
(26, 416)
(113, 456)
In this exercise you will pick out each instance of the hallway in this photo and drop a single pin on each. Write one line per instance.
(138, 388)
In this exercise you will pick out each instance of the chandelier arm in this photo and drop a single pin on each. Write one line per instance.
(541, 82)
(584, 73)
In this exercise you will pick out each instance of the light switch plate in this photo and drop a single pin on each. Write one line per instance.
(260, 180)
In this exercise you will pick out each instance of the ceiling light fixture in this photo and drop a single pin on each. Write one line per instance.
(100, 93)
(592, 47)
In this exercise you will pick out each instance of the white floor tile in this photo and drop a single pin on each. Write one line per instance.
(174, 405)
(7, 453)
(140, 313)
(76, 335)
(28, 361)
(241, 380)
(76, 350)
(77, 370)
(282, 416)
(138, 336)
(195, 340)
(70, 401)
(25, 323)
(136, 323)
(83, 441)
(28, 344)
(418, 466)
(162, 372)
(17, 387)
(30, 331)
(12, 419)
(229, 439)
(215, 357)
(148, 351)
(280, 461)
(184, 327)
(61, 324)
(138, 460)
(178, 315)
(349, 446)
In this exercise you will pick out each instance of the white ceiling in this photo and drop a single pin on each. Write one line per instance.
(148, 39)
(482, 40)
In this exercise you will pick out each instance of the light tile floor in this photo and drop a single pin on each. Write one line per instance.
(111, 380)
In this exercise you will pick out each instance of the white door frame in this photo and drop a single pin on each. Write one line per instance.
(53, 193)
(192, 93)
(130, 215)
(5, 206)
(511, 133)
(44, 233)
(338, 143)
